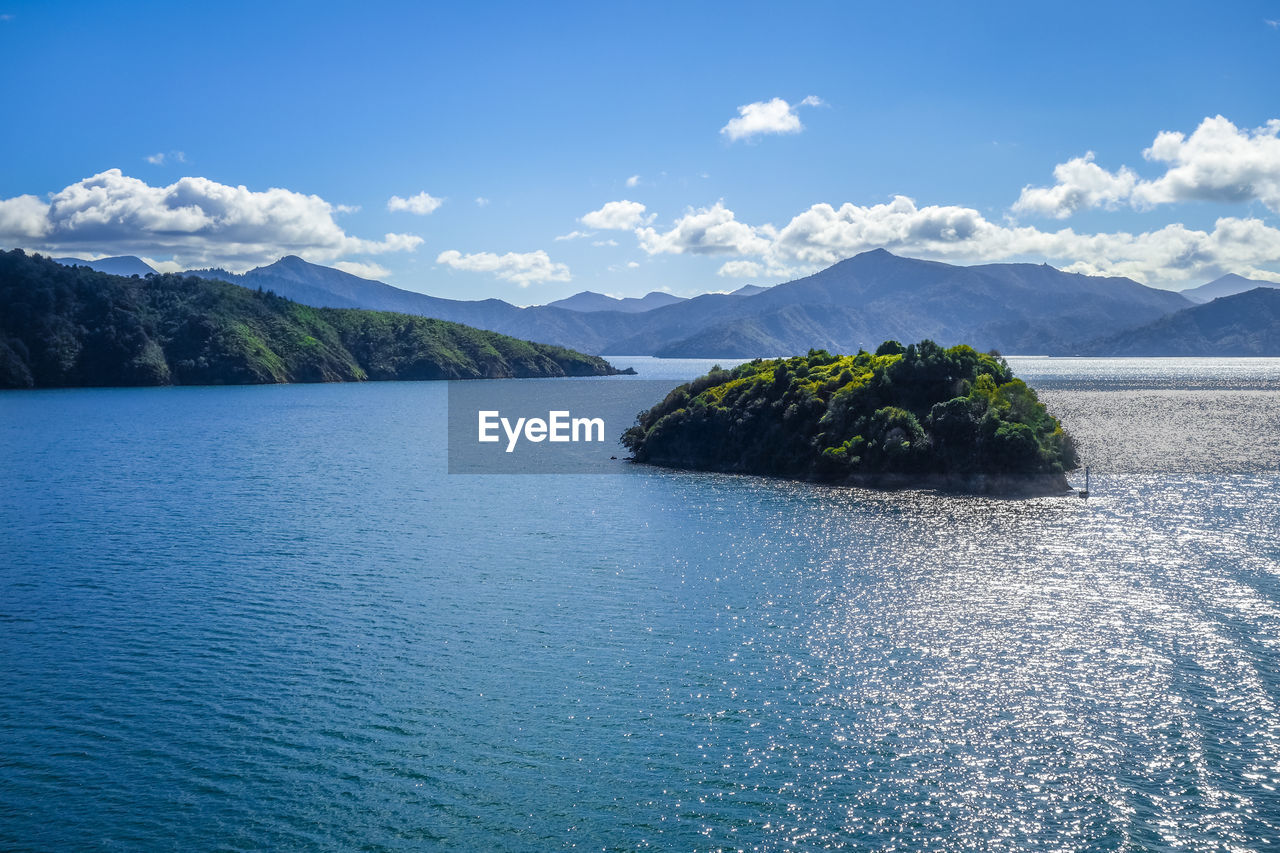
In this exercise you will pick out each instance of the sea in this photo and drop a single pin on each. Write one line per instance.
(268, 618)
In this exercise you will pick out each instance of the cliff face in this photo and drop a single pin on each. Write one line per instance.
(65, 327)
(919, 416)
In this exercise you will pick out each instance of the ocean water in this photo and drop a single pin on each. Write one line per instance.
(266, 618)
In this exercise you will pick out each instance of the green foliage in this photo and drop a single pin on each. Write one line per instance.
(71, 326)
(905, 410)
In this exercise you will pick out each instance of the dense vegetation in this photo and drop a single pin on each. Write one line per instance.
(71, 326)
(921, 414)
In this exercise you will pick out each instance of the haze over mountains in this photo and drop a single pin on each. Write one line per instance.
(123, 265)
(874, 296)
(590, 302)
(1241, 324)
(1227, 285)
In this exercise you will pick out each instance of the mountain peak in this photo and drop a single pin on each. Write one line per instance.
(125, 265)
(1227, 285)
(289, 261)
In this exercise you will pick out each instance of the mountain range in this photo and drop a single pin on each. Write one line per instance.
(1241, 324)
(858, 302)
(1227, 285)
(589, 302)
(71, 326)
(125, 265)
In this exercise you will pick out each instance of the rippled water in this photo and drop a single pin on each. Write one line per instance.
(264, 618)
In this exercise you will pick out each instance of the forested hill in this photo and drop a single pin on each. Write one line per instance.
(917, 416)
(72, 326)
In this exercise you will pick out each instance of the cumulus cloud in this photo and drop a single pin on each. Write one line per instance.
(1218, 162)
(422, 204)
(775, 116)
(521, 268)
(364, 270)
(617, 216)
(824, 234)
(740, 269)
(196, 222)
(1081, 183)
(707, 231)
(23, 218)
(633, 181)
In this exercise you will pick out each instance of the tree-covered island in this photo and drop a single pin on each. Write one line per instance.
(915, 416)
(65, 326)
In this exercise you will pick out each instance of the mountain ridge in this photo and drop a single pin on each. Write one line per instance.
(1227, 285)
(1241, 324)
(73, 326)
(870, 297)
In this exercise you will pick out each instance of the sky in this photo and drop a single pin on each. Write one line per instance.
(531, 151)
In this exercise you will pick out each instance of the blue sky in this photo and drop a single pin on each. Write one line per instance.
(594, 146)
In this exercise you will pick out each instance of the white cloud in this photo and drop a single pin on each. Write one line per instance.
(519, 268)
(575, 235)
(617, 216)
(633, 181)
(775, 116)
(159, 158)
(707, 231)
(194, 221)
(422, 204)
(1218, 162)
(740, 269)
(604, 243)
(824, 234)
(481, 201)
(22, 218)
(1081, 183)
(364, 270)
(632, 265)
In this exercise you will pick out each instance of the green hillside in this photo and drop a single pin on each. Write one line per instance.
(71, 326)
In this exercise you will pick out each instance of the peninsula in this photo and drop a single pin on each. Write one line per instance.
(66, 326)
(903, 417)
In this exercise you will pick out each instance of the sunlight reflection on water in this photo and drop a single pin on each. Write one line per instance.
(265, 618)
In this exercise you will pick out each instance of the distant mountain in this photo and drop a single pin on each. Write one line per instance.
(73, 326)
(748, 290)
(1242, 324)
(1022, 308)
(1228, 285)
(312, 284)
(122, 265)
(589, 302)
(1016, 308)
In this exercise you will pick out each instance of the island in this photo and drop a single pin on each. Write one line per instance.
(64, 327)
(919, 416)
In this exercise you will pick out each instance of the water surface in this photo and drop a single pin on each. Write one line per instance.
(248, 618)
